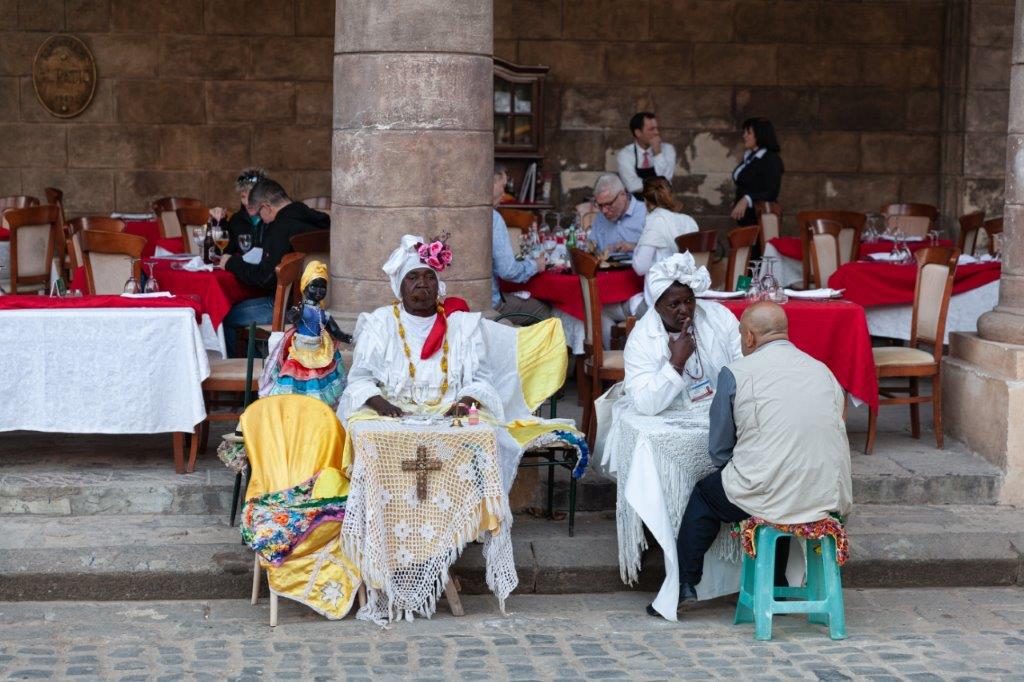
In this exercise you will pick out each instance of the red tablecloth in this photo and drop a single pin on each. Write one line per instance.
(41, 302)
(218, 290)
(790, 247)
(150, 229)
(562, 290)
(836, 333)
(871, 284)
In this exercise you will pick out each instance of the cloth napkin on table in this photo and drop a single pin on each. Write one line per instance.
(153, 294)
(722, 294)
(197, 265)
(882, 257)
(815, 293)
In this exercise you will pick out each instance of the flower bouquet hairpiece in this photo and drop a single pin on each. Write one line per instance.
(436, 253)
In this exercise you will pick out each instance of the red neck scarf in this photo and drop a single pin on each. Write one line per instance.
(435, 338)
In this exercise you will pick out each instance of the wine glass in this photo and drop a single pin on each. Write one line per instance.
(244, 242)
(221, 238)
(152, 286)
(933, 237)
(131, 285)
(549, 245)
(198, 235)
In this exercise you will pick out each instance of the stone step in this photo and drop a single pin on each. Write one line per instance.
(105, 476)
(182, 556)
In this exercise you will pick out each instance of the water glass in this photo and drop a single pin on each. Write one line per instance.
(152, 286)
(198, 236)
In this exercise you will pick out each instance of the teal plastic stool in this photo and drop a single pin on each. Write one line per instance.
(821, 599)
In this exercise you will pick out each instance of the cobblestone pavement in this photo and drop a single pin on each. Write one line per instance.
(923, 634)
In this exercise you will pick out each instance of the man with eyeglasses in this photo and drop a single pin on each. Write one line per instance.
(621, 217)
(283, 219)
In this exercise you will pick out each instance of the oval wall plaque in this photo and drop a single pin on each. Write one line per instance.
(64, 76)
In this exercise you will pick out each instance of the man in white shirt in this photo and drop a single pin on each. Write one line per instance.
(647, 156)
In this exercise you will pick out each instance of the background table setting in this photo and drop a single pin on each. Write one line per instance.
(103, 364)
(561, 288)
(886, 290)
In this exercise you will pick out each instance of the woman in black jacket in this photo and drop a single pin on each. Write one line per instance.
(759, 175)
(241, 221)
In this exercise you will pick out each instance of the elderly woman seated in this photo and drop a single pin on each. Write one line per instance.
(676, 350)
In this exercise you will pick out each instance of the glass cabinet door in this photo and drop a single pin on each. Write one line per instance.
(514, 113)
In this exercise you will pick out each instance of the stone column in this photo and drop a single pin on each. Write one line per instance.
(413, 142)
(983, 376)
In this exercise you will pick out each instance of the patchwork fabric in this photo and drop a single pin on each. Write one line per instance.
(274, 524)
(815, 530)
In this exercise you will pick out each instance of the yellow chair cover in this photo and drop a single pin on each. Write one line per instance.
(289, 438)
(542, 361)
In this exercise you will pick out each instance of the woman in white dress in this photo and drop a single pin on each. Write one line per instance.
(665, 221)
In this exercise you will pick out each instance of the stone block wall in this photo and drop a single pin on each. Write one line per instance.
(190, 92)
(854, 89)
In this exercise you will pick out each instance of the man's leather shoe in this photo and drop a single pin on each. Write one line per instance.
(687, 598)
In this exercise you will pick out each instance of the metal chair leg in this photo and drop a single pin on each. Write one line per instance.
(234, 497)
(551, 486)
(572, 504)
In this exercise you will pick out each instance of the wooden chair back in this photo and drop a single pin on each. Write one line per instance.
(849, 239)
(55, 197)
(585, 266)
(187, 217)
(516, 217)
(741, 241)
(316, 245)
(915, 220)
(587, 213)
(36, 237)
(109, 259)
(936, 267)
(825, 250)
(319, 203)
(15, 201)
(165, 208)
(992, 227)
(769, 219)
(515, 237)
(970, 223)
(701, 245)
(289, 272)
(73, 235)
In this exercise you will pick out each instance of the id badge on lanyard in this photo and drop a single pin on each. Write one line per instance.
(699, 390)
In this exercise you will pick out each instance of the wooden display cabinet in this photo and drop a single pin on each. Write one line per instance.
(519, 124)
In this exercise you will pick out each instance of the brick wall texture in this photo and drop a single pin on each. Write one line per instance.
(874, 101)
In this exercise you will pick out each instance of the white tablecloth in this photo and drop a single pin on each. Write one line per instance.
(102, 370)
(893, 321)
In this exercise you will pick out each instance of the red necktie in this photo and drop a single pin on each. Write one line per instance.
(646, 162)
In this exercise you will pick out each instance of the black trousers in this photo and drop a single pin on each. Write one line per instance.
(707, 509)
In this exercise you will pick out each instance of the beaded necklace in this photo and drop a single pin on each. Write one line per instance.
(408, 353)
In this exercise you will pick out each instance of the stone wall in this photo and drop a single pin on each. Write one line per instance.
(874, 101)
(976, 106)
(854, 89)
(189, 93)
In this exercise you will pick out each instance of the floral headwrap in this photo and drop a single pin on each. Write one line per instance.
(414, 253)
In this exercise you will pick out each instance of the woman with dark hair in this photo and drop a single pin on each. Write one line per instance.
(665, 221)
(759, 175)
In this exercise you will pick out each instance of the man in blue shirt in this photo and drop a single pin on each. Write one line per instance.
(621, 219)
(505, 265)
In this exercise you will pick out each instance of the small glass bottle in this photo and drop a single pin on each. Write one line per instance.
(474, 415)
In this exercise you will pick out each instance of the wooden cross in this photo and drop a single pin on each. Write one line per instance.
(421, 465)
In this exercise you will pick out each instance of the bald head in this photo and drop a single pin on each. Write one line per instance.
(762, 323)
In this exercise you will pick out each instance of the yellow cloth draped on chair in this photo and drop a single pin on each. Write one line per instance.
(289, 439)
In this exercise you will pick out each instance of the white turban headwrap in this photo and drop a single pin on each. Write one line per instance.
(679, 267)
(404, 260)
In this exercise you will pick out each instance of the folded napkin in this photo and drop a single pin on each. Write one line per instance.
(161, 252)
(155, 294)
(906, 238)
(966, 259)
(196, 264)
(722, 294)
(814, 294)
(883, 257)
(133, 216)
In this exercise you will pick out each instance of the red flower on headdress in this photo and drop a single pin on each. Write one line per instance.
(435, 254)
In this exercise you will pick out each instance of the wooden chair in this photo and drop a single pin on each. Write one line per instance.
(322, 204)
(970, 223)
(16, 201)
(36, 237)
(110, 258)
(769, 219)
(165, 208)
(741, 241)
(188, 217)
(849, 239)
(915, 220)
(55, 197)
(316, 245)
(597, 364)
(824, 247)
(517, 217)
(228, 376)
(992, 227)
(73, 235)
(936, 266)
(701, 245)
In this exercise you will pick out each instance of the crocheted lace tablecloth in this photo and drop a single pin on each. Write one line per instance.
(405, 545)
(675, 443)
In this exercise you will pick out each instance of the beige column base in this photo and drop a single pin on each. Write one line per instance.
(983, 405)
